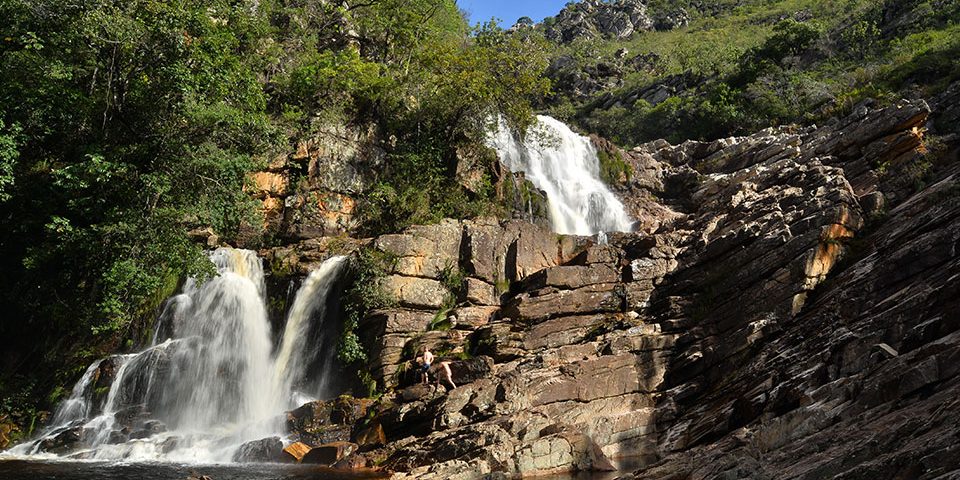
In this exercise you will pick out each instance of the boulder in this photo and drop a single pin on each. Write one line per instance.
(500, 253)
(322, 422)
(549, 303)
(534, 249)
(565, 451)
(485, 250)
(479, 292)
(348, 410)
(572, 277)
(63, 442)
(310, 416)
(371, 437)
(471, 370)
(471, 318)
(417, 392)
(324, 434)
(562, 331)
(265, 450)
(354, 461)
(424, 250)
(295, 452)
(329, 453)
(403, 321)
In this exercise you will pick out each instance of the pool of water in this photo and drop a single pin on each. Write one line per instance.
(84, 470)
(56, 470)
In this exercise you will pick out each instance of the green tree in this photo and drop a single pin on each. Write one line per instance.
(8, 157)
(135, 121)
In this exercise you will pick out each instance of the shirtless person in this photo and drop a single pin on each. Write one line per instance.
(444, 369)
(427, 359)
(448, 375)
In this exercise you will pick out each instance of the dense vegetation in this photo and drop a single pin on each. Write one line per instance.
(742, 66)
(124, 125)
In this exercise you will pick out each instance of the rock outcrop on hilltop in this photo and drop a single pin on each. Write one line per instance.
(786, 309)
(610, 19)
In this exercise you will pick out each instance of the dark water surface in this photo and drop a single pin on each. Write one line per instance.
(22, 469)
(41, 470)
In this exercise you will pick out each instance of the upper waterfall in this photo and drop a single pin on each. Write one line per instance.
(565, 166)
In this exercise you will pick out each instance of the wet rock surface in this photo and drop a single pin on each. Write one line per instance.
(267, 450)
(786, 309)
(323, 422)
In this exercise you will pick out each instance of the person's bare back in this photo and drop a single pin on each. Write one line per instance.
(427, 359)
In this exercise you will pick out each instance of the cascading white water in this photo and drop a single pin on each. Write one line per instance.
(565, 166)
(296, 350)
(76, 407)
(211, 383)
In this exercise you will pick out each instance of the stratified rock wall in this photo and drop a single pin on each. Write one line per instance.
(787, 309)
(859, 381)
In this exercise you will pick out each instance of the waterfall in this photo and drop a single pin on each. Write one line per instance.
(76, 407)
(299, 347)
(209, 381)
(565, 166)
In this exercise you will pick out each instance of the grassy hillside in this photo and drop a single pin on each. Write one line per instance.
(741, 66)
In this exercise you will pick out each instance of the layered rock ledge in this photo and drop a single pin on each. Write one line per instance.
(786, 308)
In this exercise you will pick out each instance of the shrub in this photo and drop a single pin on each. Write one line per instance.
(363, 296)
(613, 167)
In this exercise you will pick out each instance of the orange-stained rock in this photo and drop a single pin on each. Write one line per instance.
(315, 214)
(272, 211)
(303, 151)
(278, 163)
(7, 428)
(267, 183)
(296, 451)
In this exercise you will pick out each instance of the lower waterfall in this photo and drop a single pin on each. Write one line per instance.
(300, 345)
(210, 381)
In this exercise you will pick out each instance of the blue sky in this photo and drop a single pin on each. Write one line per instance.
(510, 10)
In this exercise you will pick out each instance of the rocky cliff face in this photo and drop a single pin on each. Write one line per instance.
(312, 192)
(816, 311)
(786, 309)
